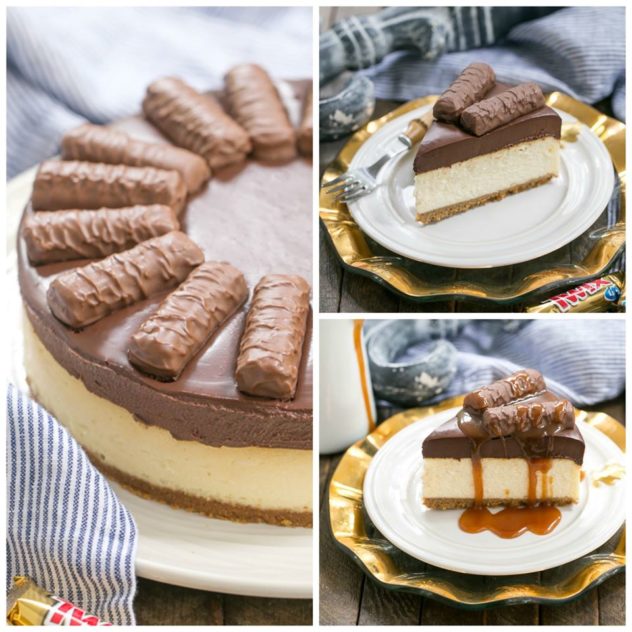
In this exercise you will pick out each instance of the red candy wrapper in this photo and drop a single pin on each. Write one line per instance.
(28, 604)
(599, 295)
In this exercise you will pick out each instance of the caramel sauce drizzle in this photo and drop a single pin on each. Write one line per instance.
(357, 343)
(570, 132)
(609, 474)
(538, 517)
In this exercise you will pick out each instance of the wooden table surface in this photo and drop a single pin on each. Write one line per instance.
(349, 597)
(162, 604)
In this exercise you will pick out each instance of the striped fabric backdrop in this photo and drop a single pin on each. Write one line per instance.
(65, 526)
(578, 50)
(582, 360)
(69, 65)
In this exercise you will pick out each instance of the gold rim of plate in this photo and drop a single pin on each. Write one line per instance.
(396, 570)
(356, 254)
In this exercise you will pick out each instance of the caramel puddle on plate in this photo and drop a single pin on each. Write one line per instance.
(511, 522)
(570, 132)
(609, 474)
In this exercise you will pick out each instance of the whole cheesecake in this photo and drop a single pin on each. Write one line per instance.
(198, 442)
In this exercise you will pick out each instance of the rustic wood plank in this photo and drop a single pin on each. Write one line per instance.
(583, 611)
(331, 273)
(612, 601)
(527, 614)
(162, 604)
(482, 306)
(435, 613)
(387, 607)
(360, 294)
(415, 307)
(265, 611)
(327, 17)
(327, 465)
(340, 579)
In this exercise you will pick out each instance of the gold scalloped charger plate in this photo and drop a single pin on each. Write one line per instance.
(393, 569)
(586, 257)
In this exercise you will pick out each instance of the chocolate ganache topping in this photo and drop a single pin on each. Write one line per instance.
(513, 417)
(445, 144)
(259, 219)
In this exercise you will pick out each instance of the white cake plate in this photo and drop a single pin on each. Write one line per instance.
(518, 228)
(393, 493)
(175, 546)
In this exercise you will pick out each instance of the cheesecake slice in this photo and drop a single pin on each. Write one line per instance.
(513, 443)
(458, 167)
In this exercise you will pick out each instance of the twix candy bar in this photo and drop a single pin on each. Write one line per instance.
(272, 343)
(52, 236)
(197, 122)
(255, 104)
(305, 133)
(67, 184)
(594, 296)
(97, 143)
(28, 604)
(84, 295)
(165, 343)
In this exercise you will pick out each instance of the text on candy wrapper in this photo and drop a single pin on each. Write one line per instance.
(566, 300)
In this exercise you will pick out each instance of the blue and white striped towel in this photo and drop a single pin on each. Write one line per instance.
(69, 65)
(577, 50)
(582, 360)
(65, 526)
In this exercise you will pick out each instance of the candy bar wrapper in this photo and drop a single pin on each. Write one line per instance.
(599, 295)
(28, 604)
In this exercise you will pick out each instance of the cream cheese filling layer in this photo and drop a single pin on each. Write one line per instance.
(502, 478)
(265, 478)
(487, 174)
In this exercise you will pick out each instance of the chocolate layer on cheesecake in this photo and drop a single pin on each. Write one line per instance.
(449, 442)
(446, 144)
(511, 418)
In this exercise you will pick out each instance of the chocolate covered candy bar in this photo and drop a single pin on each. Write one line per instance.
(254, 102)
(165, 343)
(305, 134)
(84, 295)
(529, 419)
(470, 86)
(488, 114)
(96, 143)
(196, 122)
(87, 234)
(272, 343)
(516, 386)
(91, 185)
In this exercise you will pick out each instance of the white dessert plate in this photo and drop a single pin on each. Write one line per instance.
(175, 546)
(518, 228)
(393, 493)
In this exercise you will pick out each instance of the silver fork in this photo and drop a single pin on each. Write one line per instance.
(361, 181)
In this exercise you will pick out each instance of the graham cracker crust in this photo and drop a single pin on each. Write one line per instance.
(465, 503)
(448, 211)
(205, 506)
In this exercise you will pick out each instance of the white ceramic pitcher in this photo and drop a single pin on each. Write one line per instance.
(347, 405)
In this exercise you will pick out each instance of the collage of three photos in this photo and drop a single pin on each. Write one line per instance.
(230, 405)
